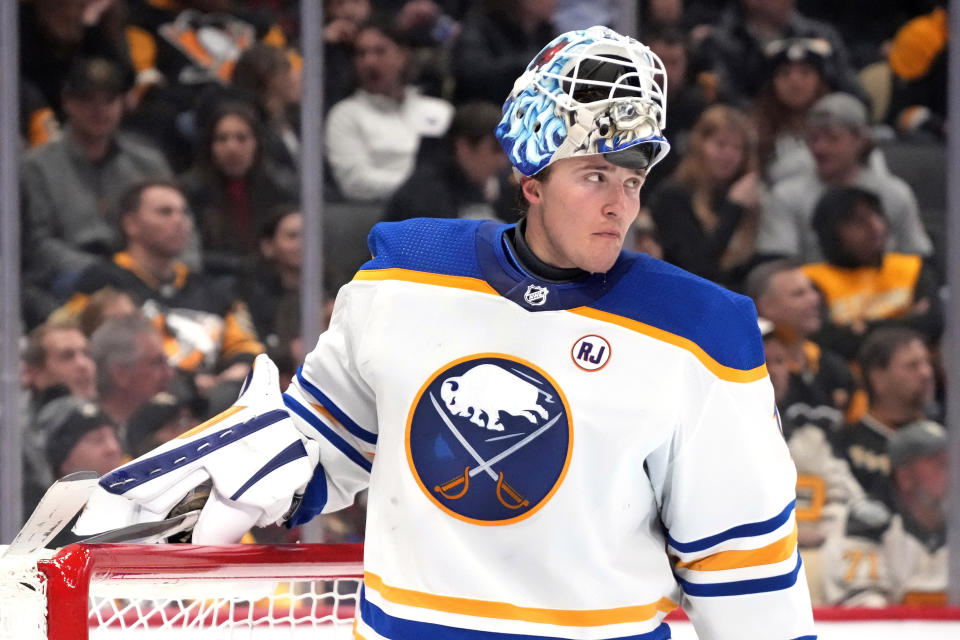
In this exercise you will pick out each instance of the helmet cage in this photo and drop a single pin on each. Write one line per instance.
(543, 119)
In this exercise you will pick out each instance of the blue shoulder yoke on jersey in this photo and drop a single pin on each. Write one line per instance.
(638, 288)
(478, 249)
(720, 322)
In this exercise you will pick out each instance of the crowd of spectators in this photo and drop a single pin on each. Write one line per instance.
(160, 180)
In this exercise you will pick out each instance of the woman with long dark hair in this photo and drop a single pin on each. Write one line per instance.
(231, 187)
(796, 80)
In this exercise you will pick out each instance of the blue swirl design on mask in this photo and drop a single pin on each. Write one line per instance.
(530, 148)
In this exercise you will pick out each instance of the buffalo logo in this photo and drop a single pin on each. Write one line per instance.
(535, 295)
(488, 439)
(590, 353)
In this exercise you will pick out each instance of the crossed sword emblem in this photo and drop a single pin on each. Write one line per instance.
(486, 466)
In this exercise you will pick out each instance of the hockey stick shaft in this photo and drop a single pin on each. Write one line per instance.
(146, 532)
(56, 508)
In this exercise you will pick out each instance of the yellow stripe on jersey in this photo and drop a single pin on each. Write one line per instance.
(437, 279)
(723, 372)
(506, 611)
(774, 552)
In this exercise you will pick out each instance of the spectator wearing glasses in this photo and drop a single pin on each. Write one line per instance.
(131, 366)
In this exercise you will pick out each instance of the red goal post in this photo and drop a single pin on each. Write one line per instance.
(272, 591)
(267, 591)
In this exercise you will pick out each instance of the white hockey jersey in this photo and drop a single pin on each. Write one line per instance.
(551, 460)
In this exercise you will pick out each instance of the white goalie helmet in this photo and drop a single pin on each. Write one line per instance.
(588, 92)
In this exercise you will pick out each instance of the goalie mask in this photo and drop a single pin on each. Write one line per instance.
(587, 92)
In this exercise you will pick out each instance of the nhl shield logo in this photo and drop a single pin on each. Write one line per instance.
(489, 439)
(535, 295)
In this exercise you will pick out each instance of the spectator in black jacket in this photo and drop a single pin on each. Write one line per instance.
(273, 291)
(207, 331)
(897, 371)
(469, 180)
(706, 211)
(736, 46)
(497, 41)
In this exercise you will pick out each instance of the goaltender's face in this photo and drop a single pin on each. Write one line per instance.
(580, 212)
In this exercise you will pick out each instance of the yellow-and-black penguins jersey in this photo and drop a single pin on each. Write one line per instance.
(551, 460)
(881, 558)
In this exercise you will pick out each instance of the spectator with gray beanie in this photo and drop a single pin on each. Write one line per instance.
(78, 436)
(838, 136)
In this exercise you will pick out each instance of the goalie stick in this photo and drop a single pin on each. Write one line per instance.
(56, 508)
(146, 532)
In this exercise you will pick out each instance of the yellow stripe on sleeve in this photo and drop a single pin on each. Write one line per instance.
(774, 552)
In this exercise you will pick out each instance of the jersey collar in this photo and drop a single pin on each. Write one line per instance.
(504, 272)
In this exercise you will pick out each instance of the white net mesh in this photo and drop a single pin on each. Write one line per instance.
(23, 597)
(242, 608)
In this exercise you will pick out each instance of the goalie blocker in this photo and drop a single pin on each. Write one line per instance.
(255, 457)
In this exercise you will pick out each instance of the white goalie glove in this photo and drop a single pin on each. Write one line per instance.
(253, 455)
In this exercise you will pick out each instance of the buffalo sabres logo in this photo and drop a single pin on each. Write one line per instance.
(489, 438)
(535, 295)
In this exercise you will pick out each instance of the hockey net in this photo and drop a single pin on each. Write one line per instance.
(182, 591)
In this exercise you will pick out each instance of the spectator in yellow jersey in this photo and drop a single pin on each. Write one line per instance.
(864, 286)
